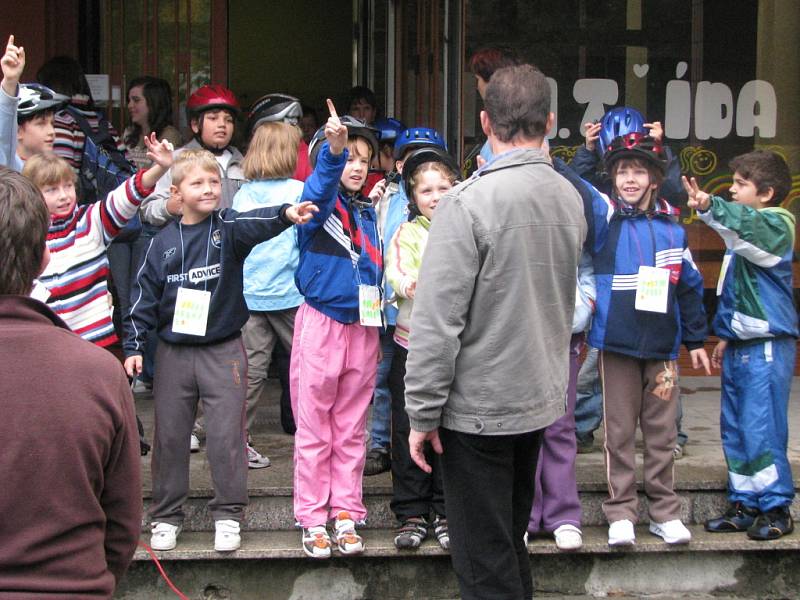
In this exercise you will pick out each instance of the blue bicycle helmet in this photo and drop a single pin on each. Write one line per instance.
(418, 137)
(389, 129)
(618, 122)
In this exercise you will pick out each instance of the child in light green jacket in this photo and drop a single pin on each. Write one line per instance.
(428, 174)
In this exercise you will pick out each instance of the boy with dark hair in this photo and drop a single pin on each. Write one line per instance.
(756, 322)
(189, 288)
(72, 510)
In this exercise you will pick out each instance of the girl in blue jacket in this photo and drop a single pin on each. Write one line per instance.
(335, 352)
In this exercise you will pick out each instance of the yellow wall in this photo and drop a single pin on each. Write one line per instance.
(303, 48)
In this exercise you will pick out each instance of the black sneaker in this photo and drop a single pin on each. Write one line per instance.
(772, 524)
(737, 517)
(411, 533)
(378, 461)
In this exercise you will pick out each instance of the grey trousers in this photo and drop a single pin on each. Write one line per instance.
(260, 333)
(214, 375)
(628, 383)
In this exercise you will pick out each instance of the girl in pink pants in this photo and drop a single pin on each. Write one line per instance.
(335, 349)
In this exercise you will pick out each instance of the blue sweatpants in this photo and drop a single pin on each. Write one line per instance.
(756, 379)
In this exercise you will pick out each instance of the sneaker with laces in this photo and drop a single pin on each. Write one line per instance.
(772, 524)
(441, 532)
(164, 536)
(347, 539)
(411, 533)
(568, 537)
(194, 443)
(672, 532)
(378, 461)
(737, 517)
(621, 533)
(316, 542)
(227, 537)
(256, 460)
(677, 452)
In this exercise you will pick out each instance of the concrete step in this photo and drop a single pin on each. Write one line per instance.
(271, 510)
(272, 565)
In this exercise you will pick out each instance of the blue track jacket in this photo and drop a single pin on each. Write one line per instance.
(339, 248)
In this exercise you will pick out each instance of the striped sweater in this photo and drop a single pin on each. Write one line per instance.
(69, 140)
(77, 274)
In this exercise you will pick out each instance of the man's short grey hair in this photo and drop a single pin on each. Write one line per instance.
(517, 101)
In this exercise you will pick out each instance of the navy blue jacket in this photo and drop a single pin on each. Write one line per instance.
(624, 240)
(205, 256)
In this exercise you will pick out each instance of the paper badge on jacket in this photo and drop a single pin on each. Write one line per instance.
(369, 305)
(191, 311)
(652, 289)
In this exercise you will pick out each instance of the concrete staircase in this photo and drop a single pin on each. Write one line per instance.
(271, 565)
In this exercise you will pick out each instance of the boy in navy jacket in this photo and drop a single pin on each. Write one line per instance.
(649, 301)
(189, 289)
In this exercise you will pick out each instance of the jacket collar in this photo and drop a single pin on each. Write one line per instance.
(513, 158)
(24, 309)
(236, 158)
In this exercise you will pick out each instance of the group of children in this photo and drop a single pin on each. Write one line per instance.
(227, 277)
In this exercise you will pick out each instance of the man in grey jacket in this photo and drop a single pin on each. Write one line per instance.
(489, 346)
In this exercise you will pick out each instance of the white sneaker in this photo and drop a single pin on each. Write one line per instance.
(620, 533)
(163, 536)
(568, 537)
(347, 539)
(256, 460)
(672, 532)
(227, 537)
(194, 443)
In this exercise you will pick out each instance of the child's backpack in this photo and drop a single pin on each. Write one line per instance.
(103, 168)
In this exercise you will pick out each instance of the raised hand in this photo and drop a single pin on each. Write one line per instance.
(591, 132)
(335, 132)
(12, 63)
(698, 199)
(160, 152)
(301, 213)
(656, 130)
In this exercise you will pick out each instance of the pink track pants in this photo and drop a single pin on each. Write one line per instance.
(332, 378)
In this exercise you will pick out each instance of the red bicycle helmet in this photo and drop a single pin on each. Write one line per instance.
(209, 97)
(636, 145)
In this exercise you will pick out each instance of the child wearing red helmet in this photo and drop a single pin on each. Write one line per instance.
(649, 301)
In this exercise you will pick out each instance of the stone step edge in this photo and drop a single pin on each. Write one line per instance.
(198, 546)
(386, 490)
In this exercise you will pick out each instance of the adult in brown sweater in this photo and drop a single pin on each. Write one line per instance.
(70, 497)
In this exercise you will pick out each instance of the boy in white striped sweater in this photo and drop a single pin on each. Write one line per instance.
(77, 276)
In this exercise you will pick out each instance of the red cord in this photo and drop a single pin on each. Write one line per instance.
(149, 550)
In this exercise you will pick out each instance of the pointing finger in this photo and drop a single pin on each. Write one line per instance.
(332, 109)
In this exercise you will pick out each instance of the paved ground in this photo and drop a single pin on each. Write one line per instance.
(703, 463)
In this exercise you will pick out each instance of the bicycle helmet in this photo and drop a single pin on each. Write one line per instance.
(636, 145)
(274, 108)
(35, 98)
(355, 128)
(210, 97)
(389, 129)
(418, 137)
(617, 122)
(418, 158)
